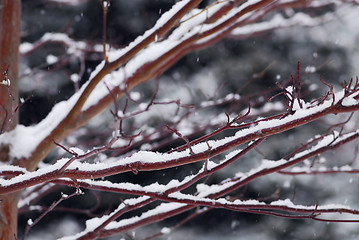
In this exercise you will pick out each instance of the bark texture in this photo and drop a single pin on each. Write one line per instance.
(9, 58)
(10, 11)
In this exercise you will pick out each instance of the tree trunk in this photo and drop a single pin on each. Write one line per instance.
(8, 216)
(9, 58)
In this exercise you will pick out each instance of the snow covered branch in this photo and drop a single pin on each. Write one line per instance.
(189, 141)
(148, 56)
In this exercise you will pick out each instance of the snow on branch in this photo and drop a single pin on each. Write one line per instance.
(148, 161)
(69, 120)
(277, 22)
(144, 58)
(72, 46)
(180, 30)
(207, 195)
(193, 32)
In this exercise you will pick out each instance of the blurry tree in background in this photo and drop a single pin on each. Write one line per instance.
(175, 141)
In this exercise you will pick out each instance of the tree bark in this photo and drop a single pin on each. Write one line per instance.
(8, 216)
(10, 11)
(9, 58)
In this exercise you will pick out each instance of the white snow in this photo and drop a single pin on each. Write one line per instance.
(74, 77)
(290, 204)
(350, 101)
(25, 47)
(24, 140)
(277, 21)
(6, 82)
(165, 230)
(29, 222)
(51, 59)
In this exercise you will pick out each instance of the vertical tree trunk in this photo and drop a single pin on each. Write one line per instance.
(9, 58)
(8, 216)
